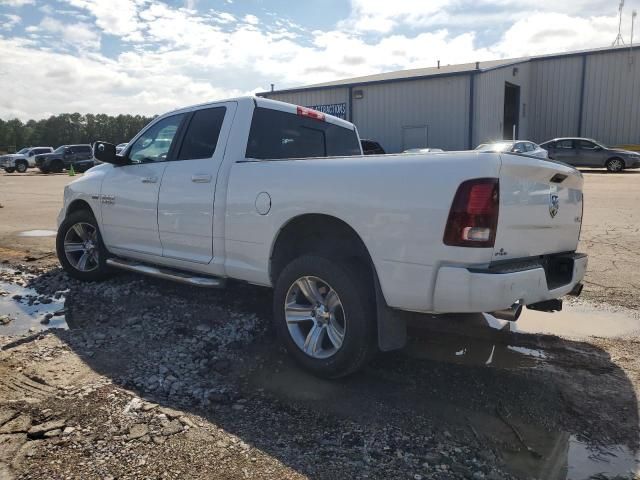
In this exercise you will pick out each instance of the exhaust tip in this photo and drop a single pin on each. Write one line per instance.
(510, 314)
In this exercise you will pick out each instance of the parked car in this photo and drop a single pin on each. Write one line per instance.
(586, 152)
(243, 189)
(120, 147)
(371, 147)
(80, 156)
(423, 150)
(22, 159)
(518, 146)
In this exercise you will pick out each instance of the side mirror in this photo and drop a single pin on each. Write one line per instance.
(106, 152)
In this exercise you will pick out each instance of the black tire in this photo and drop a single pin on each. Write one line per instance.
(102, 270)
(44, 170)
(56, 166)
(21, 166)
(615, 165)
(355, 291)
(9, 169)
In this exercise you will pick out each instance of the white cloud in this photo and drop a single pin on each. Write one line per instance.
(117, 17)
(175, 56)
(251, 19)
(77, 35)
(8, 21)
(542, 33)
(17, 3)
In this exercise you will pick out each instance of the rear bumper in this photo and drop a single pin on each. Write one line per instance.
(460, 289)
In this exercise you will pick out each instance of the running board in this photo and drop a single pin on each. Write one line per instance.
(166, 273)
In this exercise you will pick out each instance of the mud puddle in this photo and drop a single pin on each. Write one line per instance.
(463, 350)
(564, 457)
(23, 310)
(579, 321)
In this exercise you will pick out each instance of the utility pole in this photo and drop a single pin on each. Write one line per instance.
(619, 40)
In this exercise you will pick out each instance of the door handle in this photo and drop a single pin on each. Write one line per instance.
(205, 178)
(149, 179)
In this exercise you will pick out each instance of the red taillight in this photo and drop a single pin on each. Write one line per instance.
(473, 217)
(310, 113)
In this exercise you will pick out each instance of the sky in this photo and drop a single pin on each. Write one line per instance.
(152, 56)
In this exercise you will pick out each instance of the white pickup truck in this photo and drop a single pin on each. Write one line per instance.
(278, 195)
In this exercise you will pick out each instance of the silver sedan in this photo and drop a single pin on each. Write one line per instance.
(511, 146)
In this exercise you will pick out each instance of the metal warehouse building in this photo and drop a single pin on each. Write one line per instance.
(593, 93)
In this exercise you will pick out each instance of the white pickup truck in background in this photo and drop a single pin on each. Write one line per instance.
(279, 195)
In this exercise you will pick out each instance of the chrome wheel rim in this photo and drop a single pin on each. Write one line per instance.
(615, 165)
(81, 247)
(315, 317)
(21, 167)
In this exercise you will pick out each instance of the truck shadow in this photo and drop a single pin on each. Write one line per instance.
(538, 406)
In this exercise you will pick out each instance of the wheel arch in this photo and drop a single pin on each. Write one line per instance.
(304, 233)
(299, 235)
(78, 205)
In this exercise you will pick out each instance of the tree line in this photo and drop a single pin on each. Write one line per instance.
(69, 128)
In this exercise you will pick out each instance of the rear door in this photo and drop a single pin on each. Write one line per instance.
(185, 205)
(540, 208)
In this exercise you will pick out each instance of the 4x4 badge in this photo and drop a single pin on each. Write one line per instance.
(554, 204)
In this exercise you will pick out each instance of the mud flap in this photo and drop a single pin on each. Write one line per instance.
(392, 324)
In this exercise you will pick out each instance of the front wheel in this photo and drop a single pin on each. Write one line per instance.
(80, 249)
(9, 169)
(615, 165)
(21, 167)
(324, 313)
(57, 166)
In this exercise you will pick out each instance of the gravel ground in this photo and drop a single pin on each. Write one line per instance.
(158, 380)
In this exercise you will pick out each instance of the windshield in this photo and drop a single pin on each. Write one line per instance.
(59, 149)
(24, 150)
(494, 147)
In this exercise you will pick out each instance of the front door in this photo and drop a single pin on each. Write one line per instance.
(129, 195)
(185, 205)
(565, 151)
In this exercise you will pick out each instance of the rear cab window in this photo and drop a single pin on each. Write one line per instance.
(280, 135)
(201, 137)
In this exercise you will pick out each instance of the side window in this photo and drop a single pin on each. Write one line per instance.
(275, 135)
(530, 147)
(519, 148)
(586, 145)
(154, 144)
(564, 144)
(32, 153)
(202, 134)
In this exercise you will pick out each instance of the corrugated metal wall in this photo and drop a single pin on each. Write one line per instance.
(395, 113)
(314, 97)
(489, 102)
(611, 111)
(554, 98)
(399, 114)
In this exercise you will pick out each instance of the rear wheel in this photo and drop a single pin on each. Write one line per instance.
(80, 249)
(9, 169)
(615, 165)
(324, 313)
(22, 166)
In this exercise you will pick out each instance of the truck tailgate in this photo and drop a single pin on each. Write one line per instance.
(540, 208)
